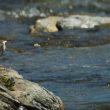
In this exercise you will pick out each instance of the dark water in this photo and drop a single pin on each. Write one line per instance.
(79, 75)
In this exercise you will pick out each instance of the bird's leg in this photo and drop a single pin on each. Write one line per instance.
(2, 52)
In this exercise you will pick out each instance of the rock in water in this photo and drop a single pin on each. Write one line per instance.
(56, 23)
(81, 21)
(25, 95)
(45, 25)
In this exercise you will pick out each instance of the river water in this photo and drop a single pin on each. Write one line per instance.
(79, 75)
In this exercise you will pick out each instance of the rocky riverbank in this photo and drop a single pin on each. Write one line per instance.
(17, 93)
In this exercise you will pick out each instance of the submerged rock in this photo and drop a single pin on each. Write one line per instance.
(56, 23)
(25, 95)
(77, 38)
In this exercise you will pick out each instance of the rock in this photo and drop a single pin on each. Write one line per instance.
(25, 95)
(9, 73)
(77, 38)
(81, 21)
(55, 23)
(45, 25)
(7, 100)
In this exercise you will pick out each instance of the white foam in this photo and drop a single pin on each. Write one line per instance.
(30, 12)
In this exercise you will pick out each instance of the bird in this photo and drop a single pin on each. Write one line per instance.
(3, 46)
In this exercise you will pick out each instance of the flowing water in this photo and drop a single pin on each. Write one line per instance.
(79, 75)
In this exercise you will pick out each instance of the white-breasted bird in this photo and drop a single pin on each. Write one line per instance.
(2, 46)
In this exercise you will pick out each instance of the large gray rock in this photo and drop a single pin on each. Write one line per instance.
(56, 23)
(17, 93)
(81, 21)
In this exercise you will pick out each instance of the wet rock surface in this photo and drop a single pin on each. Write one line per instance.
(45, 25)
(55, 23)
(25, 94)
(77, 38)
(81, 21)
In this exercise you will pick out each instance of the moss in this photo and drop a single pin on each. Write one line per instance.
(8, 82)
(105, 25)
